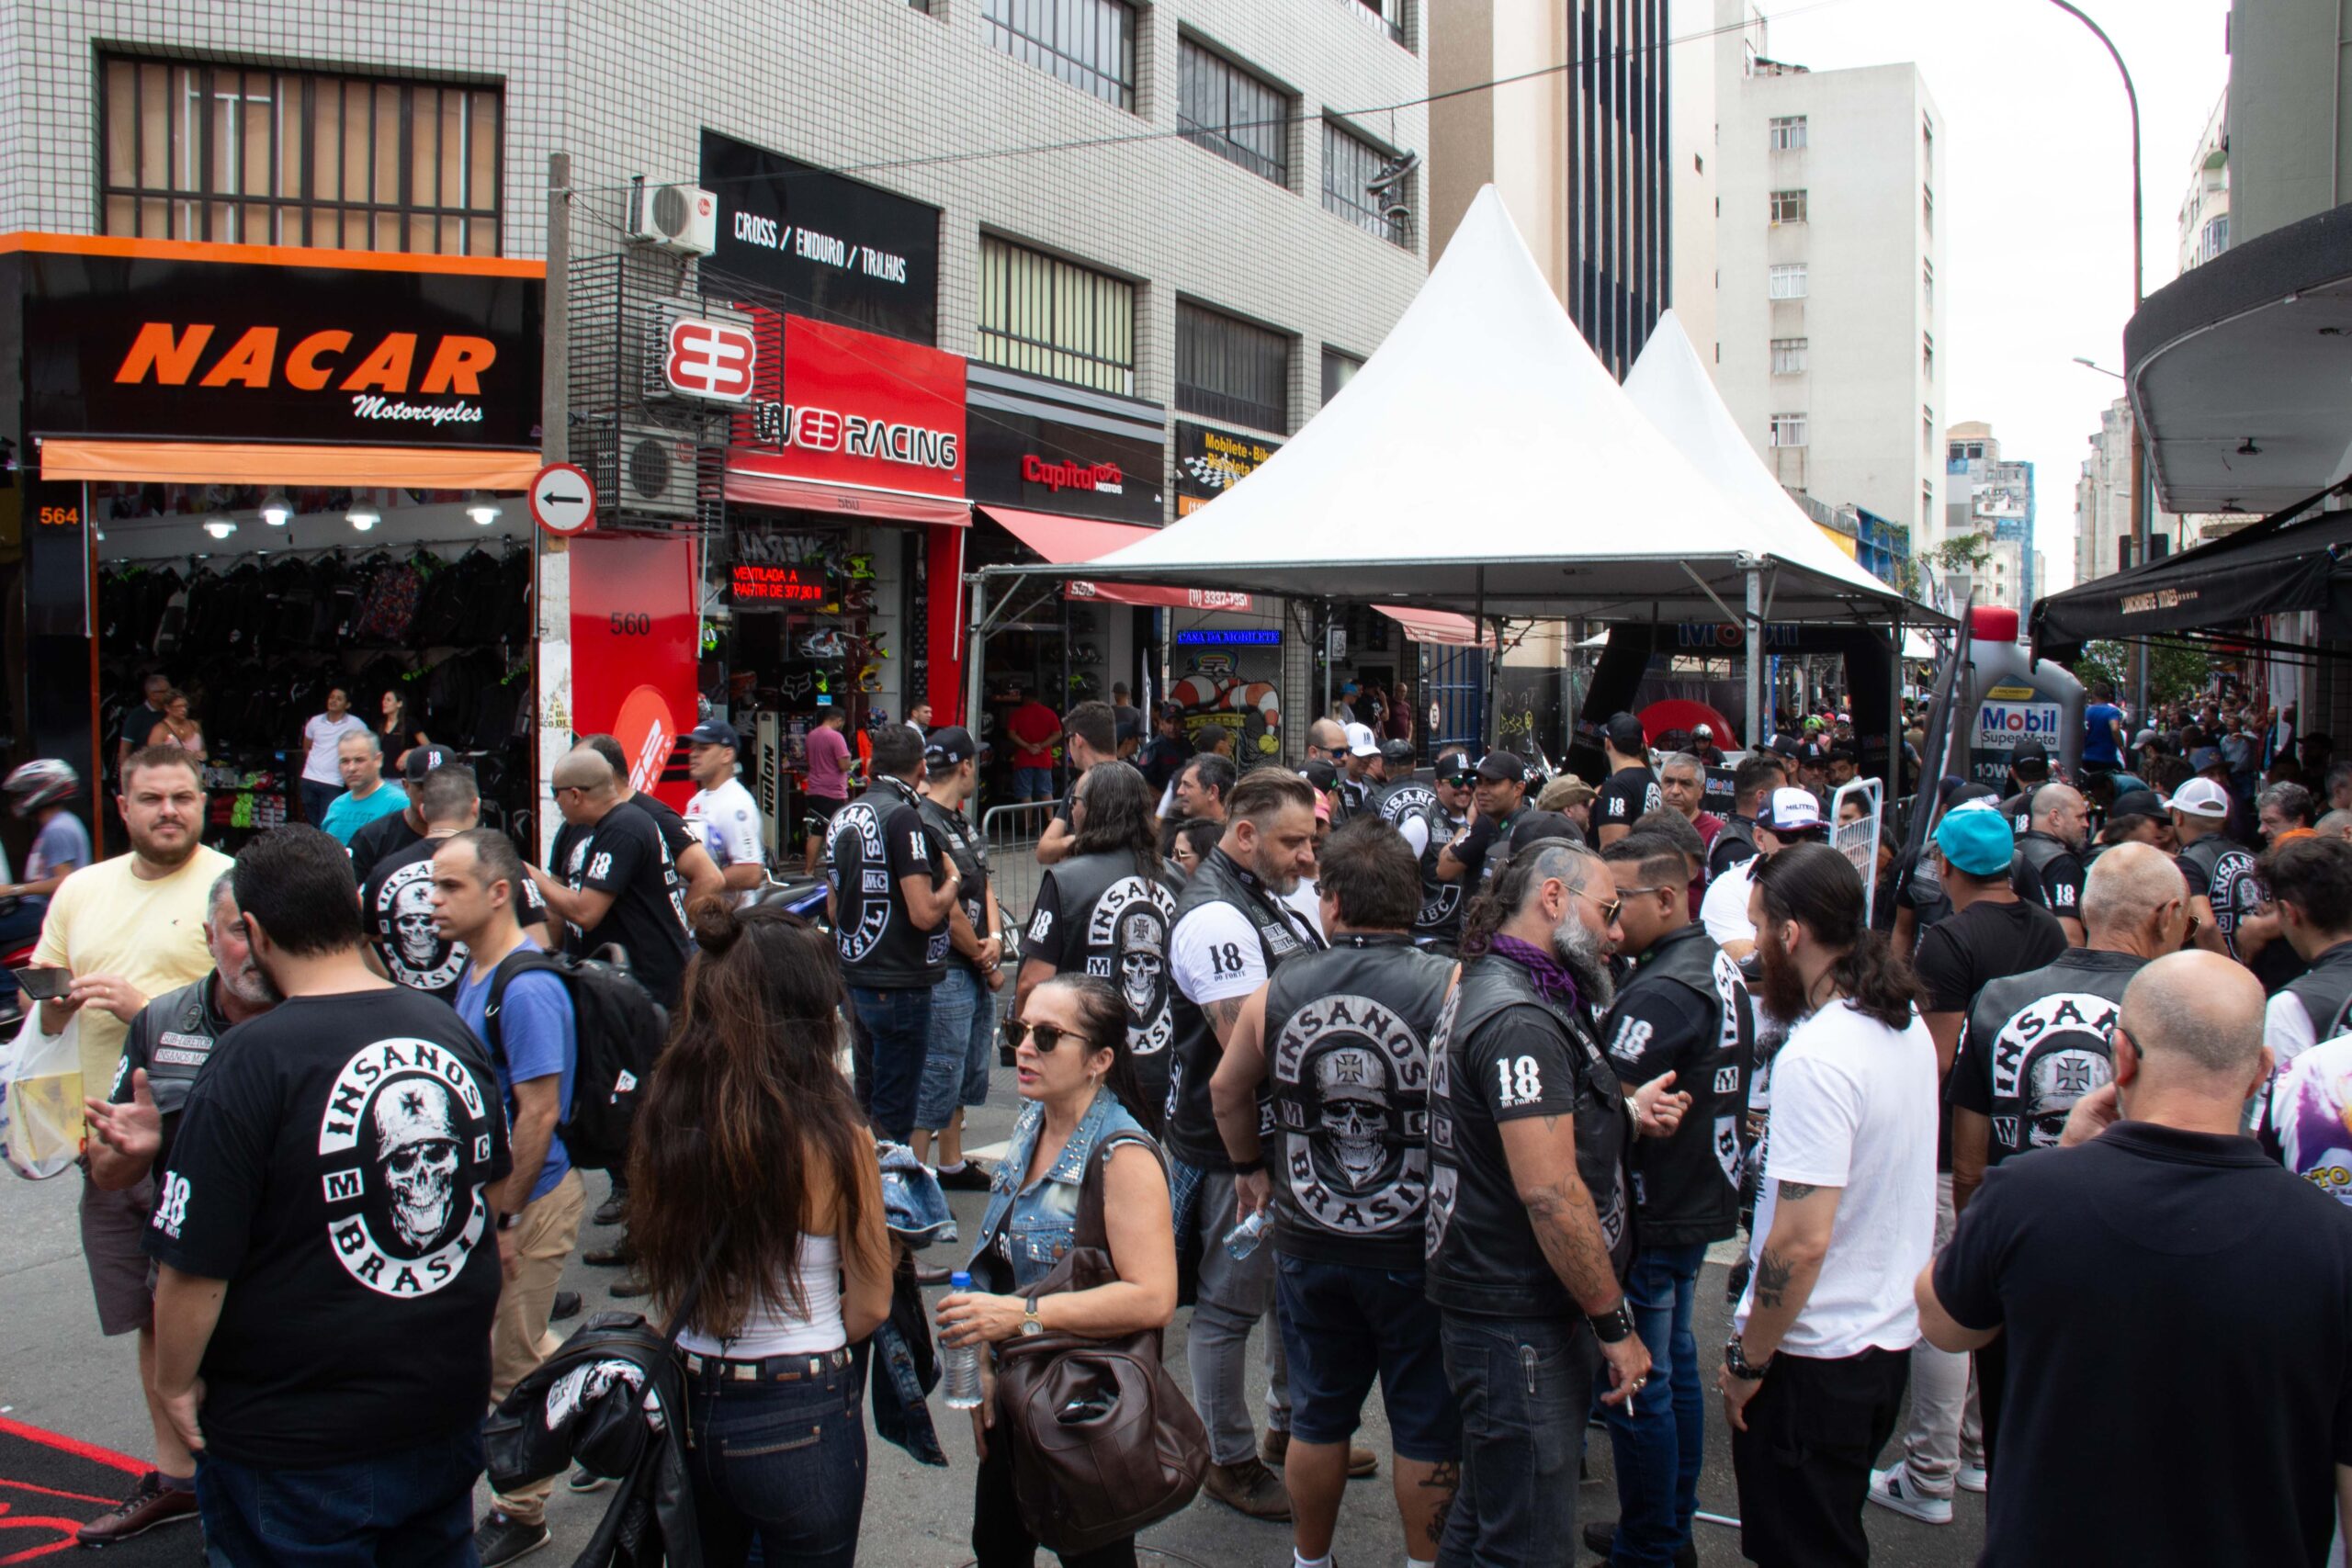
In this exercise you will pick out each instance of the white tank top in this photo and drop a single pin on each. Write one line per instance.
(777, 1330)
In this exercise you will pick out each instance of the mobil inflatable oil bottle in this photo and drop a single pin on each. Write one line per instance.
(2009, 699)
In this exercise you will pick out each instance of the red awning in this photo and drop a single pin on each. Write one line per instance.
(1438, 626)
(753, 488)
(1062, 540)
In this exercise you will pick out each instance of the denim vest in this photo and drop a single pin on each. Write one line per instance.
(1039, 1221)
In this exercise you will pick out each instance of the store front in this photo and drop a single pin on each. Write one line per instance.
(262, 473)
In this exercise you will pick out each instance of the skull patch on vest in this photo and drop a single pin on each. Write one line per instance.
(1127, 943)
(1351, 1085)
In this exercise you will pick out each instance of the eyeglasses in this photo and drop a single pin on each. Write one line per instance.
(1048, 1036)
(1625, 893)
(1610, 910)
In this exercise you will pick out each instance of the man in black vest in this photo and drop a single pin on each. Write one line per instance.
(1344, 1035)
(2029, 770)
(1752, 783)
(2223, 887)
(1500, 800)
(2310, 880)
(1429, 816)
(2047, 868)
(1684, 1010)
(1529, 1231)
(890, 889)
(1232, 930)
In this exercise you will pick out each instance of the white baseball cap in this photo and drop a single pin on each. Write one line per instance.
(2199, 797)
(1361, 742)
(1792, 811)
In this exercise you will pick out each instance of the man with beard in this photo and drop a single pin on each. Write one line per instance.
(1363, 771)
(1685, 1011)
(131, 1129)
(1631, 789)
(129, 928)
(1232, 930)
(328, 1269)
(1529, 1234)
(1498, 802)
(2310, 880)
(1813, 1374)
(1344, 1036)
(1429, 816)
(2047, 868)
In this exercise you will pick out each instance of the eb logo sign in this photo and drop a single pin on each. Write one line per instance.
(710, 359)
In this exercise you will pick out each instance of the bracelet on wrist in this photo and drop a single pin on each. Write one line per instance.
(1611, 1326)
(1735, 1361)
(1249, 1166)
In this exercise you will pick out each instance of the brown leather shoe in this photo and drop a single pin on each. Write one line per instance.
(1248, 1488)
(151, 1503)
(1276, 1446)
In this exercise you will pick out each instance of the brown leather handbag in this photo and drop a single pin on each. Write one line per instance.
(1103, 1442)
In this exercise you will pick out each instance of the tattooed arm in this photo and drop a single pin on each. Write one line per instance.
(1542, 1154)
(1789, 1264)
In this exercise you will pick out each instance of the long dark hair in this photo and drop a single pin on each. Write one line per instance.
(1119, 816)
(1816, 885)
(747, 1115)
(1103, 1018)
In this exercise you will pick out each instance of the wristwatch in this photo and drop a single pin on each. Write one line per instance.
(1735, 1361)
(1613, 1326)
(1030, 1325)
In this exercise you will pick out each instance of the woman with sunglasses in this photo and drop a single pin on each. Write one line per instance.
(753, 1187)
(1071, 1064)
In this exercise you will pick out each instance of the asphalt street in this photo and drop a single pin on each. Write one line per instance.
(57, 1373)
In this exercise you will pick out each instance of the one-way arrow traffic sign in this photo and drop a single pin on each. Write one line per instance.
(562, 501)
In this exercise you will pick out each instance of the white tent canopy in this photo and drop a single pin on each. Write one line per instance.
(1484, 460)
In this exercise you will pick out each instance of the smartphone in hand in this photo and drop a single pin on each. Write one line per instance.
(45, 983)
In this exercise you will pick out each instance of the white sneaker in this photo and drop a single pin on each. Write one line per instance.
(1893, 1488)
(1972, 1478)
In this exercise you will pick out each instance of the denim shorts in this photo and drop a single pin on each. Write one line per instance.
(963, 1032)
(1032, 784)
(1343, 1326)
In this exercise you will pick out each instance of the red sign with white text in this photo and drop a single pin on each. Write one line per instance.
(853, 408)
(635, 637)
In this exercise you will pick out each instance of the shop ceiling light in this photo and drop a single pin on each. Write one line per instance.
(363, 517)
(483, 510)
(220, 527)
(276, 510)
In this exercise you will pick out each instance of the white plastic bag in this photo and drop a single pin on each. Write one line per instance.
(41, 1098)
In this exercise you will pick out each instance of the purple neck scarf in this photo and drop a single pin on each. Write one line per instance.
(1550, 977)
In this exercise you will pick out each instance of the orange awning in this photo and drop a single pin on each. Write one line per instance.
(1062, 540)
(271, 463)
(1438, 626)
(752, 488)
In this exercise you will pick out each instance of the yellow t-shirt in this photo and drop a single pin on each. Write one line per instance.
(104, 920)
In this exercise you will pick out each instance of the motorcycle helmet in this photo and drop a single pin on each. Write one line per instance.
(40, 782)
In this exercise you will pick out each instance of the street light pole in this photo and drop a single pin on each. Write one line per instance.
(2140, 498)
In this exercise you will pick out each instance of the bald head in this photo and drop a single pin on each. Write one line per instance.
(2131, 888)
(2196, 1018)
(1328, 735)
(2060, 811)
(2335, 825)
(584, 769)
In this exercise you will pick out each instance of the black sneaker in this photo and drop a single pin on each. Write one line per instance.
(972, 1178)
(1601, 1536)
(585, 1479)
(617, 1255)
(612, 1211)
(629, 1286)
(501, 1538)
(566, 1304)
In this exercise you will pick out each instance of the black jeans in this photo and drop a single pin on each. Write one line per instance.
(1000, 1538)
(1813, 1430)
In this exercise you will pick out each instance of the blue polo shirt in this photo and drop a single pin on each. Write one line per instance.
(536, 1040)
(349, 813)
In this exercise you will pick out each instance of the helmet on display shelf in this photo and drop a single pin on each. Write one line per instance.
(1083, 687)
(823, 644)
(861, 566)
(1085, 653)
(44, 781)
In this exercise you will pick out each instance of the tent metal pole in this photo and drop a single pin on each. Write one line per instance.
(1757, 725)
(976, 647)
(1491, 661)
(1894, 716)
(1327, 659)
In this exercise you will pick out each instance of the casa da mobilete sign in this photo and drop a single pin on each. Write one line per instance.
(424, 351)
(843, 406)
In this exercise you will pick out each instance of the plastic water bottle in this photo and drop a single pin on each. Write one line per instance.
(960, 1364)
(1243, 1239)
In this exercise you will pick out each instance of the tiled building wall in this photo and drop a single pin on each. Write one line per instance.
(916, 103)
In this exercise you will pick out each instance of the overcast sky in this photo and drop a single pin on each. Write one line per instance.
(2037, 160)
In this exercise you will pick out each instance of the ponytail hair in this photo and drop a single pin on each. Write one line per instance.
(1516, 877)
(1819, 889)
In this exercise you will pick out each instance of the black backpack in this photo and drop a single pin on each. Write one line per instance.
(618, 1033)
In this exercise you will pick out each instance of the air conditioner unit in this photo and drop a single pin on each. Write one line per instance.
(676, 217)
(654, 472)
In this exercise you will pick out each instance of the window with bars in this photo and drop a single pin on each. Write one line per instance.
(1339, 368)
(1053, 318)
(1091, 44)
(1388, 15)
(1231, 369)
(1788, 206)
(190, 151)
(1788, 133)
(1787, 281)
(1788, 430)
(1927, 356)
(1350, 167)
(1789, 356)
(1232, 113)
(1926, 429)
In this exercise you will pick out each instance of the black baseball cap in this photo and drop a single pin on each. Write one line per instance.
(1624, 732)
(423, 759)
(1399, 751)
(2137, 803)
(2028, 754)
(948, 746)
(1537, 825)
(715, 731)
(1320, 774)
(1457, 767)
(1502, 767)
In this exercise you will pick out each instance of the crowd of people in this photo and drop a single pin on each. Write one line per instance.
(1439, 1083)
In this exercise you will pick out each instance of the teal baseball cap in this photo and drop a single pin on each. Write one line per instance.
(1976, 838)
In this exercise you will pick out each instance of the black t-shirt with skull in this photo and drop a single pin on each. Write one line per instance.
(330, 1166)
(2036, 1043)
(397, 905)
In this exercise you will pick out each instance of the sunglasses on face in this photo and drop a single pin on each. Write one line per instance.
(1611, 909)
(1048, 1036)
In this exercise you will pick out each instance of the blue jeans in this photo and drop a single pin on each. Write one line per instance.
(410, 1509)
(955, 1066)
(1523, 1388)
(1660, 1445)
(893, 1040)
(316, 798)
(1032, 784)
(784, 1462)
(1524, 1385)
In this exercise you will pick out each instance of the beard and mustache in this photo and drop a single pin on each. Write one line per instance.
(1585, 954)
(1779, 989)
(252, 985)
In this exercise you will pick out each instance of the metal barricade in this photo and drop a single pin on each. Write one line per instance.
(1011, 835)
